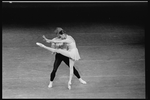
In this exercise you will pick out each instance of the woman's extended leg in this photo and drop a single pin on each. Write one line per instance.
(71, 63)
(61, 51)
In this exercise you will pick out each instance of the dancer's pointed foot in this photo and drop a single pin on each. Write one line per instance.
(40, 44)
(69, 85)
(48, 48)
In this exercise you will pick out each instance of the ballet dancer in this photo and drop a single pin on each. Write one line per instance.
(69, 55)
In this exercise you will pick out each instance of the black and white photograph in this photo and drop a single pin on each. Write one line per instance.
(74, 49)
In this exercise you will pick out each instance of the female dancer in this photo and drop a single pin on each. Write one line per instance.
(72, 52)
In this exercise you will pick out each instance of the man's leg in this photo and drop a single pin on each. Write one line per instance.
(57, 62)
(76, 73)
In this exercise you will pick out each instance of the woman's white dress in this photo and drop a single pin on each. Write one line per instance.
(74, 53)
(72, 49)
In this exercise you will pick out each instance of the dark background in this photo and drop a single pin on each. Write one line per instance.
(45, 13)
(89, 23)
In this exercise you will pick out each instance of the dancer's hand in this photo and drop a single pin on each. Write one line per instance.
(45, 39)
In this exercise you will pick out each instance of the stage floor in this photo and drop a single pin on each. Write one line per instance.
(111, 71)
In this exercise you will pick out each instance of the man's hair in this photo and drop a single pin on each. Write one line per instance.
(61, 32)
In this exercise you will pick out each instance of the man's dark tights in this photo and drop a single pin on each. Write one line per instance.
(58, 59)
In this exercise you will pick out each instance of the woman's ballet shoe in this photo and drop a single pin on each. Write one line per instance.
(40, 44)
(69, 85)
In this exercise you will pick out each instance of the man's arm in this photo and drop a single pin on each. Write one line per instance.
(48, 40)
(60, 41)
